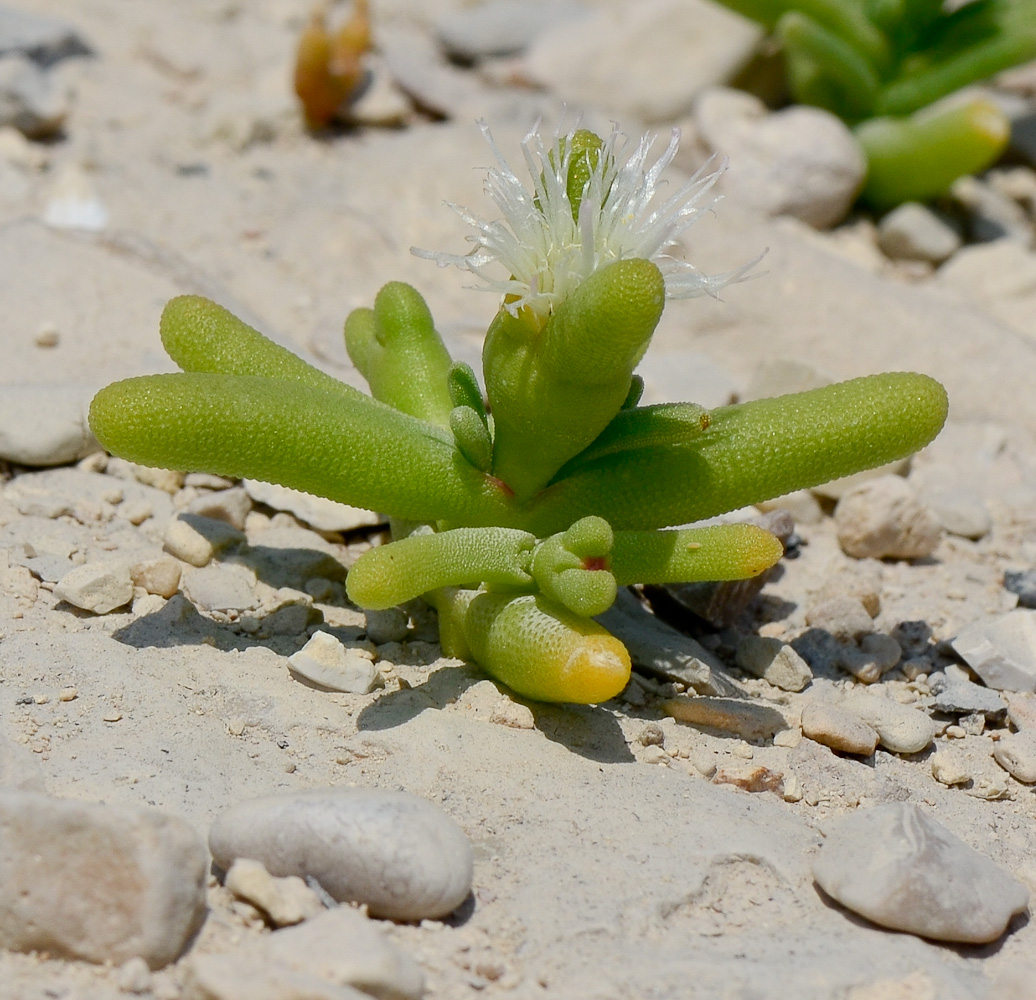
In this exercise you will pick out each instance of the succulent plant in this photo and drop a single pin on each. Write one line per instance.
(519, 520)
(881, 65)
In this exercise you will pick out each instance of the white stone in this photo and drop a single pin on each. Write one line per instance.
(96, 587)
(1002, 650)
(502, 27)
(230, 505)
(950, 767)
(774, 661)
(221, 588)
(883, 519)
(843, 616)
(801, 161)
(334, 956)
(97, 882)
(284, 900)
(645, 61)
(959, 510)
(900, 728)
(398, 853)
(196, 539)
(838, 728)
(320, 513)
(159, 576)
(900, 868)
(327, 662)
(1016, 754)
(914, 232)
(45, 424)
(73, 204)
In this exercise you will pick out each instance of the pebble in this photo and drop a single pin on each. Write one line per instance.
(960, 511)
(398, 853)
(749, 720)
(135, 976)
(1022, 583)
(96, 587)
(838, 728)
(46, 40)
(72, 202)
(750, 778)
(884, 519)
(901, 869)
(97, 882)
(338, 955)
(900, 728)
(318, 512)
(990, 214)
(221, 588)
(668, 51)
(42, 425)
(1021, 710)
(502, 27)
(230, 505)
(1002, 650)
(328, 663)
(962, 697)
(285, 901)
(843, 617)
(30, 101)
(390, 625)
(950, 767)
(160, 576)
(913, 231)
(801, 161)
(1016, 754)
(774, 661)
(876, 655)
(196, 539)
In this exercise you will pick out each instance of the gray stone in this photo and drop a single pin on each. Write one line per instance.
(44, 39)
(398, 853)
(502, 27)
(29, 99)
(645, 61)
(801, 161)
(956, 697)
(99, 883)
(1002, 650)
(45, 424)
(339, 955)
(773, 660)
(96, 587)
(844, 617)
(901, 869)
(838, 728)
(1022, 583)
(915, 232)
(390, 625)
(321, 513)
(991, 215)
(883, 519)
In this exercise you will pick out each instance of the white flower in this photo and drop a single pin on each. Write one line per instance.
(548, 250)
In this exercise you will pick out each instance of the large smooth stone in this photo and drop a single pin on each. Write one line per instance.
(902, 869)
(398, 853)
(96, 882)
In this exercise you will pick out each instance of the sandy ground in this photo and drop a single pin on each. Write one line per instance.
(603, 869)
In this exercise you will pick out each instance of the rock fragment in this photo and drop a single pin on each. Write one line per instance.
(883, 519)
(159, 576)
(838, 728)
(844, 617)
(29, 99)
(901, 869)
(285, 901)
(962, 697)
(914, 232)
(390, 625)
(1002, 650)
(774, 661)
(1022, 583)
(1016, 754)
(319, 512)
(750, 720)
(328, 663)
(196, 539)
(396, 852)
(99, 883)
(339, 955)
(43, 425)
(950, 767)
(221, 588)
(96, 587)
(229, 505)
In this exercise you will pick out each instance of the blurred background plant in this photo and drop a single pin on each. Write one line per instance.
(882, 66)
